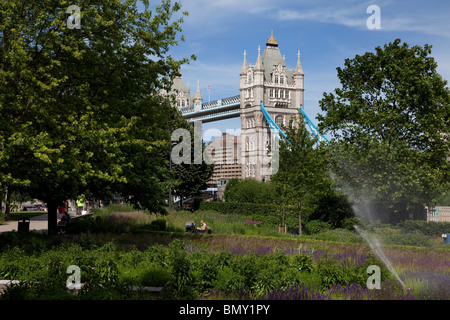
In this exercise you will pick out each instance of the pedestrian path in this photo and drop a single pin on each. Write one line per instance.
(38, 223)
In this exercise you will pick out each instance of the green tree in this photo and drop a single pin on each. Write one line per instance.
(249, 191)
(389, 119)
(80, 108)
(191, 177)
(302, 167)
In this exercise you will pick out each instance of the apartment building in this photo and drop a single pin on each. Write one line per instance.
(224, 152)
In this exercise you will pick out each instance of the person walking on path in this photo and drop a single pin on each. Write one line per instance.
(80, 205)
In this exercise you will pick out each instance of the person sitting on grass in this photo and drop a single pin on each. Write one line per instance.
(202, 226)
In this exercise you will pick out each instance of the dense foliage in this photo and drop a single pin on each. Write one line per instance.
(389, 121)
(81, 109)
(119, 253)
(185, 272)
(249, 191)
(191, 269)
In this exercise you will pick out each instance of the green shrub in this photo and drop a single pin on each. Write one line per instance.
(316, 226)
(267, 214)
(302, 262)
(180, 285)
(228, 279)
(248, 266)
(408, 239)
(428, 228)
(341, 235)
(330, 273)
(330, 207)
(204, 274)
(249, 191)
(350, 223)
(154, 276)
(266, 281)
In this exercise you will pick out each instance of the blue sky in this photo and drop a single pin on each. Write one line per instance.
(325, 31)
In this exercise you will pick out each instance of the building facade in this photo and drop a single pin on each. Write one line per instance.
(269, 81)
(224, 152)
(281, 91)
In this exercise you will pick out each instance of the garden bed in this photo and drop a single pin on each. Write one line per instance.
(224, 265)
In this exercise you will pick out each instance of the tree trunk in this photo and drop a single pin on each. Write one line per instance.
(299, 205)
(8, 203)
(1, 197)
(52, 207)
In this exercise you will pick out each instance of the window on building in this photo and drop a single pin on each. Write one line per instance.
(249, 76)
(279, 120)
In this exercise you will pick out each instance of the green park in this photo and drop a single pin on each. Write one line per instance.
(82, 116)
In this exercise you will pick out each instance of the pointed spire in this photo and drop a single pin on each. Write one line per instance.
(198, 94)
(244, 64)
(298, 67)
(259, 65)
(272, 41)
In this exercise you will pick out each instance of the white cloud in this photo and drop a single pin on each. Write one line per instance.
(352, 16)
(436, 25)
(415, 17)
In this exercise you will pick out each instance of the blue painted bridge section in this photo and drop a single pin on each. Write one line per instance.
(213, 111)
(230, 108)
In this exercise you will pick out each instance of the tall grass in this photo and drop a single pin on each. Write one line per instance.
(220, 223)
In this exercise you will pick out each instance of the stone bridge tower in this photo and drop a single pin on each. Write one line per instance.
(281, 91)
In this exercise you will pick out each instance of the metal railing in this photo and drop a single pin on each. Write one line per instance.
(438, 214)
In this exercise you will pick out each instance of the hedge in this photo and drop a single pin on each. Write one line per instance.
(267, 214)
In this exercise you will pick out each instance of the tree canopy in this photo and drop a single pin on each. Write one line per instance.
(303, 167)
(80, 109)
(390, 123)
(249, 191)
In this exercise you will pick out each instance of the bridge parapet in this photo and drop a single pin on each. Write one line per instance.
(186, 109)
(216, 104)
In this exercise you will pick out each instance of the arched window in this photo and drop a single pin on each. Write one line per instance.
(249, 76)
(279, 120)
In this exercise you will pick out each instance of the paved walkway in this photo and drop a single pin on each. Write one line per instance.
(38, 223)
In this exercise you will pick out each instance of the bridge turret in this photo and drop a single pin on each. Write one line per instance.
(299, 81)
(198, 100)
(244, 65)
